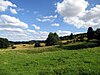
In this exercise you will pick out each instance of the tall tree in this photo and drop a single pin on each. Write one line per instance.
(97, 34)
(71, 36)
(4, 43)
(52, 39)
(90, 33)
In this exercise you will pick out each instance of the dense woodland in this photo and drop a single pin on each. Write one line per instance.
(54, 39)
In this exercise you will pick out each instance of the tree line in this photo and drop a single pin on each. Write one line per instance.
(91, 34)
(54, 39)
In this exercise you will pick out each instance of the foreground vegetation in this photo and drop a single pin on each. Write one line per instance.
(51, 61)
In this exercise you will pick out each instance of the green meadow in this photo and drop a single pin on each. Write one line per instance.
(50, 60)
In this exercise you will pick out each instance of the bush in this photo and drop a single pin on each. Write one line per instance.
(81, 46)
(37, 44)
(13, 47)
(60, 44)
(24, 45)
(97, 34)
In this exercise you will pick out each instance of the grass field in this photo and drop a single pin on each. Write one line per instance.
(50, 61)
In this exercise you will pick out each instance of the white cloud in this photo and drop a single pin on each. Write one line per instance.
(4, 4)
(6, 20)
(38, 19)
(50, 18)
(93, 13)
(13, 11)
(75, 13)
(32, 31)
(12, 30)
(43, 33)
(18, 34)
(55, 24)
(71, 8)
(35, 26)
(15, 36)
(79, 32)
(43, 20)
(63, 33)
(74, 21)
(37, 35)
(20, 9)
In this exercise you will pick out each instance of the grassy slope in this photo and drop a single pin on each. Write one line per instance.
(58, 62)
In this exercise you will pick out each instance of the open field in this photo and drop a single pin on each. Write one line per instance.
(50, 61)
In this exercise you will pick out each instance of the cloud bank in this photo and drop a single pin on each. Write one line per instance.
(75, 12)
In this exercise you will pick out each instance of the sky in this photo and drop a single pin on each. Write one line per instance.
(23, 20)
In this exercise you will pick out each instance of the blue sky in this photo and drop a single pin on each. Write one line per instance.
(34, 19)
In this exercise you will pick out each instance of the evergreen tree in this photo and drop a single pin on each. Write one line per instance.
(90, 33)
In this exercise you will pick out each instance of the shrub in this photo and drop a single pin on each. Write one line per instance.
(60, 44)
(13, 47)
(81, 46)
(37, 44)
(97, 34)
(24, 45)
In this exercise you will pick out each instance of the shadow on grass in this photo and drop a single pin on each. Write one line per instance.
(80, 46)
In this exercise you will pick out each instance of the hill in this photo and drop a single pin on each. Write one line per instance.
(50, 61)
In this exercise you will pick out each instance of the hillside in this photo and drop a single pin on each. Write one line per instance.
(50, 61)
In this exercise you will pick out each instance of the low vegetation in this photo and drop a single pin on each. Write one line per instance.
(51, 61)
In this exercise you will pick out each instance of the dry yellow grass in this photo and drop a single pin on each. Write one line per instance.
(23, 46)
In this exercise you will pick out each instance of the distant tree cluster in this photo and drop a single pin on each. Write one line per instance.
(97, 34)
(4, 43)
(53, 39)
(91, 34)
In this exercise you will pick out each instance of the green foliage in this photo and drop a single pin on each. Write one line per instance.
(60, 44)
(81, 37)
(60, 62)
(31, 42)
(81, 45)
(37, 44)
(52, 39)
(4, 43)
(90, 33)
(71, 36)
(97, 34)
